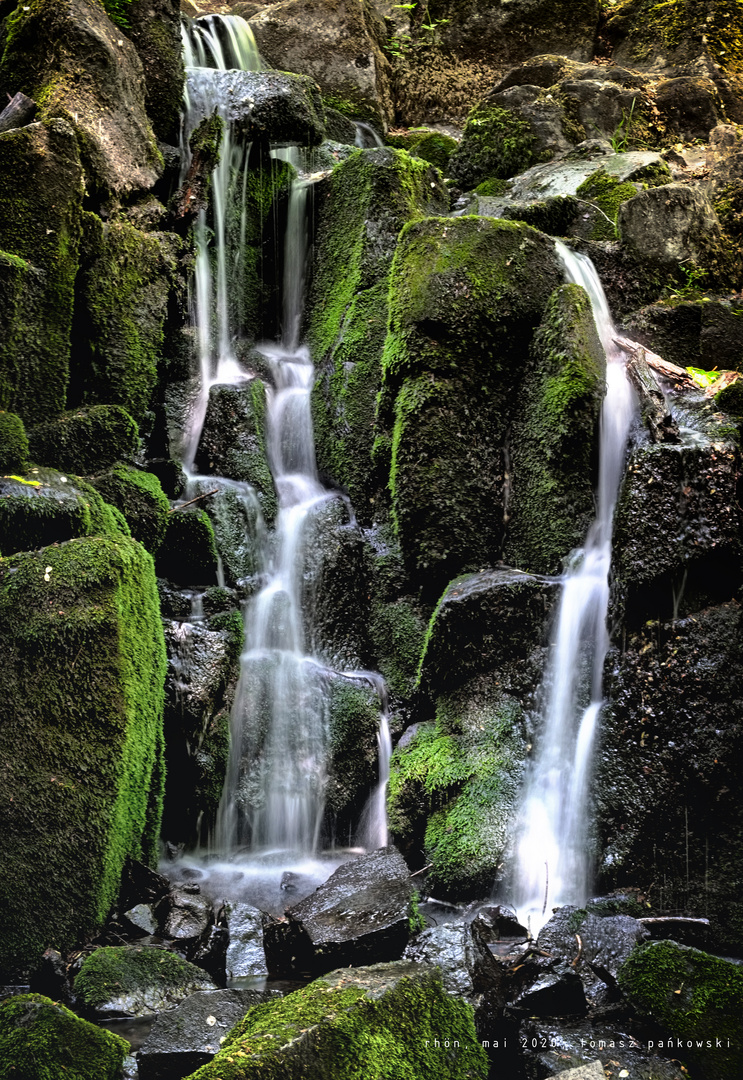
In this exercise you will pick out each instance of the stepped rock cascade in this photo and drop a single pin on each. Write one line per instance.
(274, 794)
(552, 863)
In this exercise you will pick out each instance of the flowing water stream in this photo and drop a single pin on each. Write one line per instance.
(552, 860)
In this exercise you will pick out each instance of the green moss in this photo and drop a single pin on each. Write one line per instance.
(42, 1040)
(119, 12)
(354, 109)
(672, 25)
(496, 144)
(85, 441)
(356, 1031)
(230, 623)
(44, 508)
(553, 216)
(730, 398)
(398, 632)
(695, 997)
(140, 498)
(125, 969)
(13, 443)
(82, 668)
(554, 436)
(158, 42)
(607, 193)
(188, 554)
(492, 187)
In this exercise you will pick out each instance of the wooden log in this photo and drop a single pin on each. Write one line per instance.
(653, 408)
(19, 111)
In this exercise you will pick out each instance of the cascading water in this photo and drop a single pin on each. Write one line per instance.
(552, 862)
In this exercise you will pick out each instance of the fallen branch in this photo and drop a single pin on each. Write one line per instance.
(423, 870)
(655, 413)
(192, 501)
(19, 111)
(652, 920)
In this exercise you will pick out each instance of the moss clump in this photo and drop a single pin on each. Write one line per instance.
(695, 997)
(554, 436)
(355, 1023)
(42, 1040)
(117, 971)
(46, 508)
(453, 786)
(398, 632)
(140, 498)
(188, 554)
(118, 12)
(158, 42)
(492, 187)
(607, 193)
(13, 443)
(431, 146)
(496, 144)
(82, 668)
(730, 398)
(85, 441)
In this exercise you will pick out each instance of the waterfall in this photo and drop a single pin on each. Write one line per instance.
(552, 862)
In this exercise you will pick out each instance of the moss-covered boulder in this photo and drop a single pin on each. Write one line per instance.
(70, 58)
(465, 297)
(697, 999)
(453, 788)
(41, 1039)
(13, 443)
(554, 439)
(122, 307)
(140, 498)
(432, 146)
(131, 980)
(86, 440)
(362, 208)
(360, 1022)
(44, 507)
(188, 554)
(607, 193)
(81, 675)
(155, 32)
(41, 189)
(353, 771)
(497, 142)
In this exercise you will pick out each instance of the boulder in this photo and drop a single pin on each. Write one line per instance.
(669, 225)
(245, 954)
(568, 1049)
(185, 914)
(90, 794)
(187, 1037)
(263, 106)
(694, 997)
(13, 443)
(87, 440)
(704, 333)
(362, 912)
(70, 56)
(557, 990)
(238, 513)
(360, 1019)
(591, 943)
(155, 31)
(337, 46)
(140, 498)
(134, 980)
(39, 1037)
(554, 439)
(41, 187)
(691, 107)
(188, 554)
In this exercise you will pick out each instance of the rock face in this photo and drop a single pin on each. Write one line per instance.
(367, 1019)
(362, 912)
(92, 792)
(50, 44)
(128, 980)
(669, 225)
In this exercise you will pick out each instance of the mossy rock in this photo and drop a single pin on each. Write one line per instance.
(44, 507)
(13, 443)
(123, 294)
(644, 33)
(140, 498)
(398, 632)
(85, 441)
(607, 193)
(555, 436)
(356, 1023)
(432, 146)
(694, 997)
(730, 398)
(496, 143)
(188, 554)
(42, 1040)
(81, 696)
(353, 723)
(134, 980)
(156, 34)
(362, 208)
(453, 789)
(41, 189)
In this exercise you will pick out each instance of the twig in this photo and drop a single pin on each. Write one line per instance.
(192, 501)
(546, 885)
(580, 950)
(423, 870)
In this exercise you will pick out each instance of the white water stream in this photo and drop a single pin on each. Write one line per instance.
(552, 861)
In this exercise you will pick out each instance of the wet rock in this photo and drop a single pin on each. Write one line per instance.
(557, 991)
(210, 951)
(187, 1037)
(468, 969)
(185, 914)
(143, 917)
(554, 1048)
(591, 941)
(141, 885)
(374, 1013)
(94, 82)
(705, 334)
(245, 954)
(342, 53)
(51, 979)
(188, 554)
(361, 912)
(265, 106)
(669, 225)
(494, 922)
(131, 980)
(156, 34)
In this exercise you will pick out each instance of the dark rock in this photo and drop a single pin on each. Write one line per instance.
(188, 554)
(88, 440)
(51, 979)
(339, 128)
(141, 885)
(210, 953)
(557, 991)
(494, 922)
(691, 106)
(669, 225)
(705, 334)
(185, 914)
(133, 980)
(686, 931)
(553, 1048)
(361, 912)
(156, 34)
(187, 1037)
(605, 942)
(265, 106)
(245, 954)
(143, 918)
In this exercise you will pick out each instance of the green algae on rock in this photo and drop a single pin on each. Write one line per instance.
(496, 144)
(86, 440)
(131, 980)
(382, 1021)
(41, 1039)
(81, 681)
